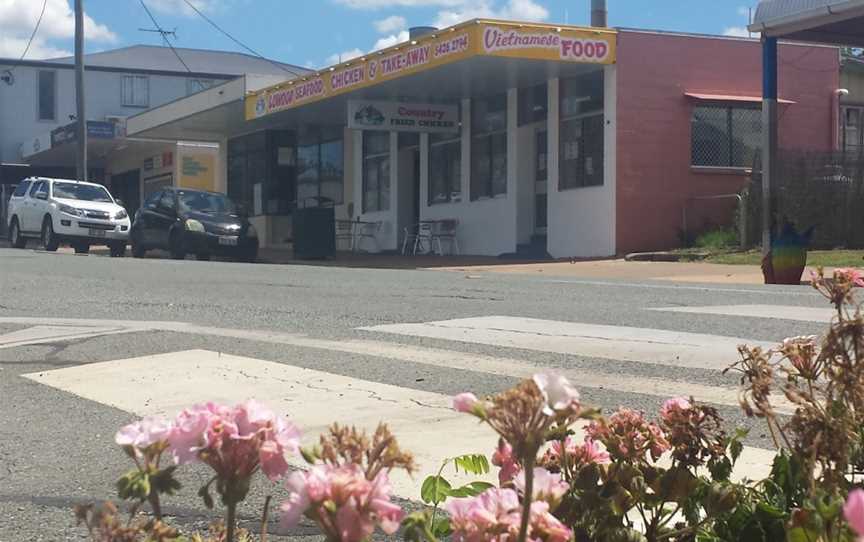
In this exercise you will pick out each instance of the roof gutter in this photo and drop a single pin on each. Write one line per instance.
(801, 17)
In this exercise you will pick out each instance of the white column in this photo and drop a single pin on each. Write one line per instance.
(610, 151)
(553, 137)
(424, 175)
(466, 150)
(357, 169)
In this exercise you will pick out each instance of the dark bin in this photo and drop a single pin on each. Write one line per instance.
(314, 231)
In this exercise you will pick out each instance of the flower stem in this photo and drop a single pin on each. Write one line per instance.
(528, 467)
(229, 521)
(265, 518)
(155, 505)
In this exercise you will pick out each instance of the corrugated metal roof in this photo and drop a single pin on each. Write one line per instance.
(773, 10)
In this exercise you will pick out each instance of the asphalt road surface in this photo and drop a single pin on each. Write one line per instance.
(89, 343)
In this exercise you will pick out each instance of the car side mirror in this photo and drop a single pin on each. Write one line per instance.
(42, 195)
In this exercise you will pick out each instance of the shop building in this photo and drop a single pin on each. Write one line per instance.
(576, 142)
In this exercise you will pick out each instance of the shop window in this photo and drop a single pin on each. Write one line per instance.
(582, 124)
(135, 91)
(445, 168)
(725, 136)
(533, 104)
(47, 95)
(320, 170)
(852, 134)
(489, 147)
(376, 171)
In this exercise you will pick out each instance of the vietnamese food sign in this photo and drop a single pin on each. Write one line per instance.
(461, 42)
(402, 117)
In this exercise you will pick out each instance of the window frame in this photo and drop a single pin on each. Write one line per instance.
(54, 104)
(130, 79)
(487, 188)
(844, 131)
(728, 108)
(377, 160)
(320, 178)
(35, 188)
(193, 81)
(454, 186)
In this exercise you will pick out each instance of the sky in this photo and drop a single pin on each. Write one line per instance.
(317, 33)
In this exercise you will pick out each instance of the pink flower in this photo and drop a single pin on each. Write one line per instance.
(547, 486)
(674, 405)
(853, 511)
(297, 503)
(187, 434)
(495, 515)
(503, 457)
(628, 436)
(144, 433)
(578, 455)
(545, 526)
(559, 393)
(464, 402)
(855, 276)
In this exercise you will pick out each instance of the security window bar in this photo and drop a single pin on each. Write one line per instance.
(47, 95)
(135, 91)
(489, 147)
(445, 168)
(725, 136)
(376, 171)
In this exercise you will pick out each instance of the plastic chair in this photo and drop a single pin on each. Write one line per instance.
(345, 232)
(424, 236)
(409, 236)
(445, 232)
(367, 230)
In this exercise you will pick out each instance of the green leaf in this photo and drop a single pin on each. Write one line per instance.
(442, 528)
(735, 449)
(472, 464)
(435, 490)
(471, 490)
(204, 493)
(163, 481)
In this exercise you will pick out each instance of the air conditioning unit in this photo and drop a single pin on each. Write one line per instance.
(116, 119)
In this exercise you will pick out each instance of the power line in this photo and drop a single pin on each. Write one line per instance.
(238, 42)
(164, 35)
(33, 35)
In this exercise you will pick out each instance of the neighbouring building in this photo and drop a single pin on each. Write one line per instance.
(37, 115)
(579, 142)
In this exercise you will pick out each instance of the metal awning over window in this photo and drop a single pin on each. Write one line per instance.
(729, 98)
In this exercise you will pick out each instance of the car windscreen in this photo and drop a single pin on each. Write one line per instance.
(205, 202)
(83, 192)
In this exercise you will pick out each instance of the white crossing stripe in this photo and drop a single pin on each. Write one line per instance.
(51, 333)
(422, 421)
(780, 312)
(643, 345)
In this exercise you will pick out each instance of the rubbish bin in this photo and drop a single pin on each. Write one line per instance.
(314, 231)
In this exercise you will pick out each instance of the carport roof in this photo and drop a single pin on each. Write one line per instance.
(838, 22)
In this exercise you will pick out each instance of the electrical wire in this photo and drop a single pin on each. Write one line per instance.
(238, 42)
(32, 36)
(164, 37)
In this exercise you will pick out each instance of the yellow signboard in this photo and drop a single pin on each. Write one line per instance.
(197, 171)
(490, 38)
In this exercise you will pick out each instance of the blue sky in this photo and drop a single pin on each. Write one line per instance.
(315, 33)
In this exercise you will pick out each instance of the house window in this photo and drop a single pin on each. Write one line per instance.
(725, 136)
(47, 95)
(376, 171)
(135, 91)
(319, 170)
(489, 147)
(581, 149)
(852, 134)
(197, 85)
(445, 168)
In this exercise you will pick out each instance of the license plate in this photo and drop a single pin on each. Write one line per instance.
(97, 233)
(228, 241)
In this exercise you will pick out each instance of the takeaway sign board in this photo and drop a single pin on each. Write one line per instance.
(402, 117)
(476, 38)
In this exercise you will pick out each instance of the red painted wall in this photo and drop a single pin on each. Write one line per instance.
(654, 177)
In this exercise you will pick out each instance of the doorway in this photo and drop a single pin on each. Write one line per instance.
(541, 188)
(127, 187)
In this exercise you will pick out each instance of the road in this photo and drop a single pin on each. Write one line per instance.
(88, 343)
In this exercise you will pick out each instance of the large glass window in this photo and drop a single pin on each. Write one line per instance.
(376, 171)
(533, 104)
(135, 91)
(320, 169)
(47, 95)
(445, 168)
(582, 129)
(489, 147)
(725, 135)
(247, 167)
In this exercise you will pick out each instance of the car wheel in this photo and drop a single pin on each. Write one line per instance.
(203, 257)
(49, 239)
(81, 248)
(176, 248)
(118, 250)
(138, 250)
(15, 237)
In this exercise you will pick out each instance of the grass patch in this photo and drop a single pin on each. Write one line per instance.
(717, 240)
(815, 258)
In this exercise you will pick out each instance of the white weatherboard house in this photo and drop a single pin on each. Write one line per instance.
(37, 114)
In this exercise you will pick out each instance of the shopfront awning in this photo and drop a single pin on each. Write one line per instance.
(478, 58)
(729, 98)
(837, 22)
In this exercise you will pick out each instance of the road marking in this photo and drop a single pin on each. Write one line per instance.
(51, 333)
(423, 422)
(773, 290)
(821, 315)
(452, 359)
(643, 345)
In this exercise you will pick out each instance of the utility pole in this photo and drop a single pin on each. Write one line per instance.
(769, 137)
(81, 116)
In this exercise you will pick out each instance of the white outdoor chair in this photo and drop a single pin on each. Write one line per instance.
(423, 237)
(367, 230)
(409, 237)
(345, 233)
(445, 232)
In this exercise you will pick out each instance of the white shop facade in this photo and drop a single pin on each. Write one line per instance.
(507, 127)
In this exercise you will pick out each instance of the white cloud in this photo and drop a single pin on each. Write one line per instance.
(519, 10)
(391, 40)
(18, 18)
(379, 4)
(344, 56)
(737, 32)
(390, 24)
